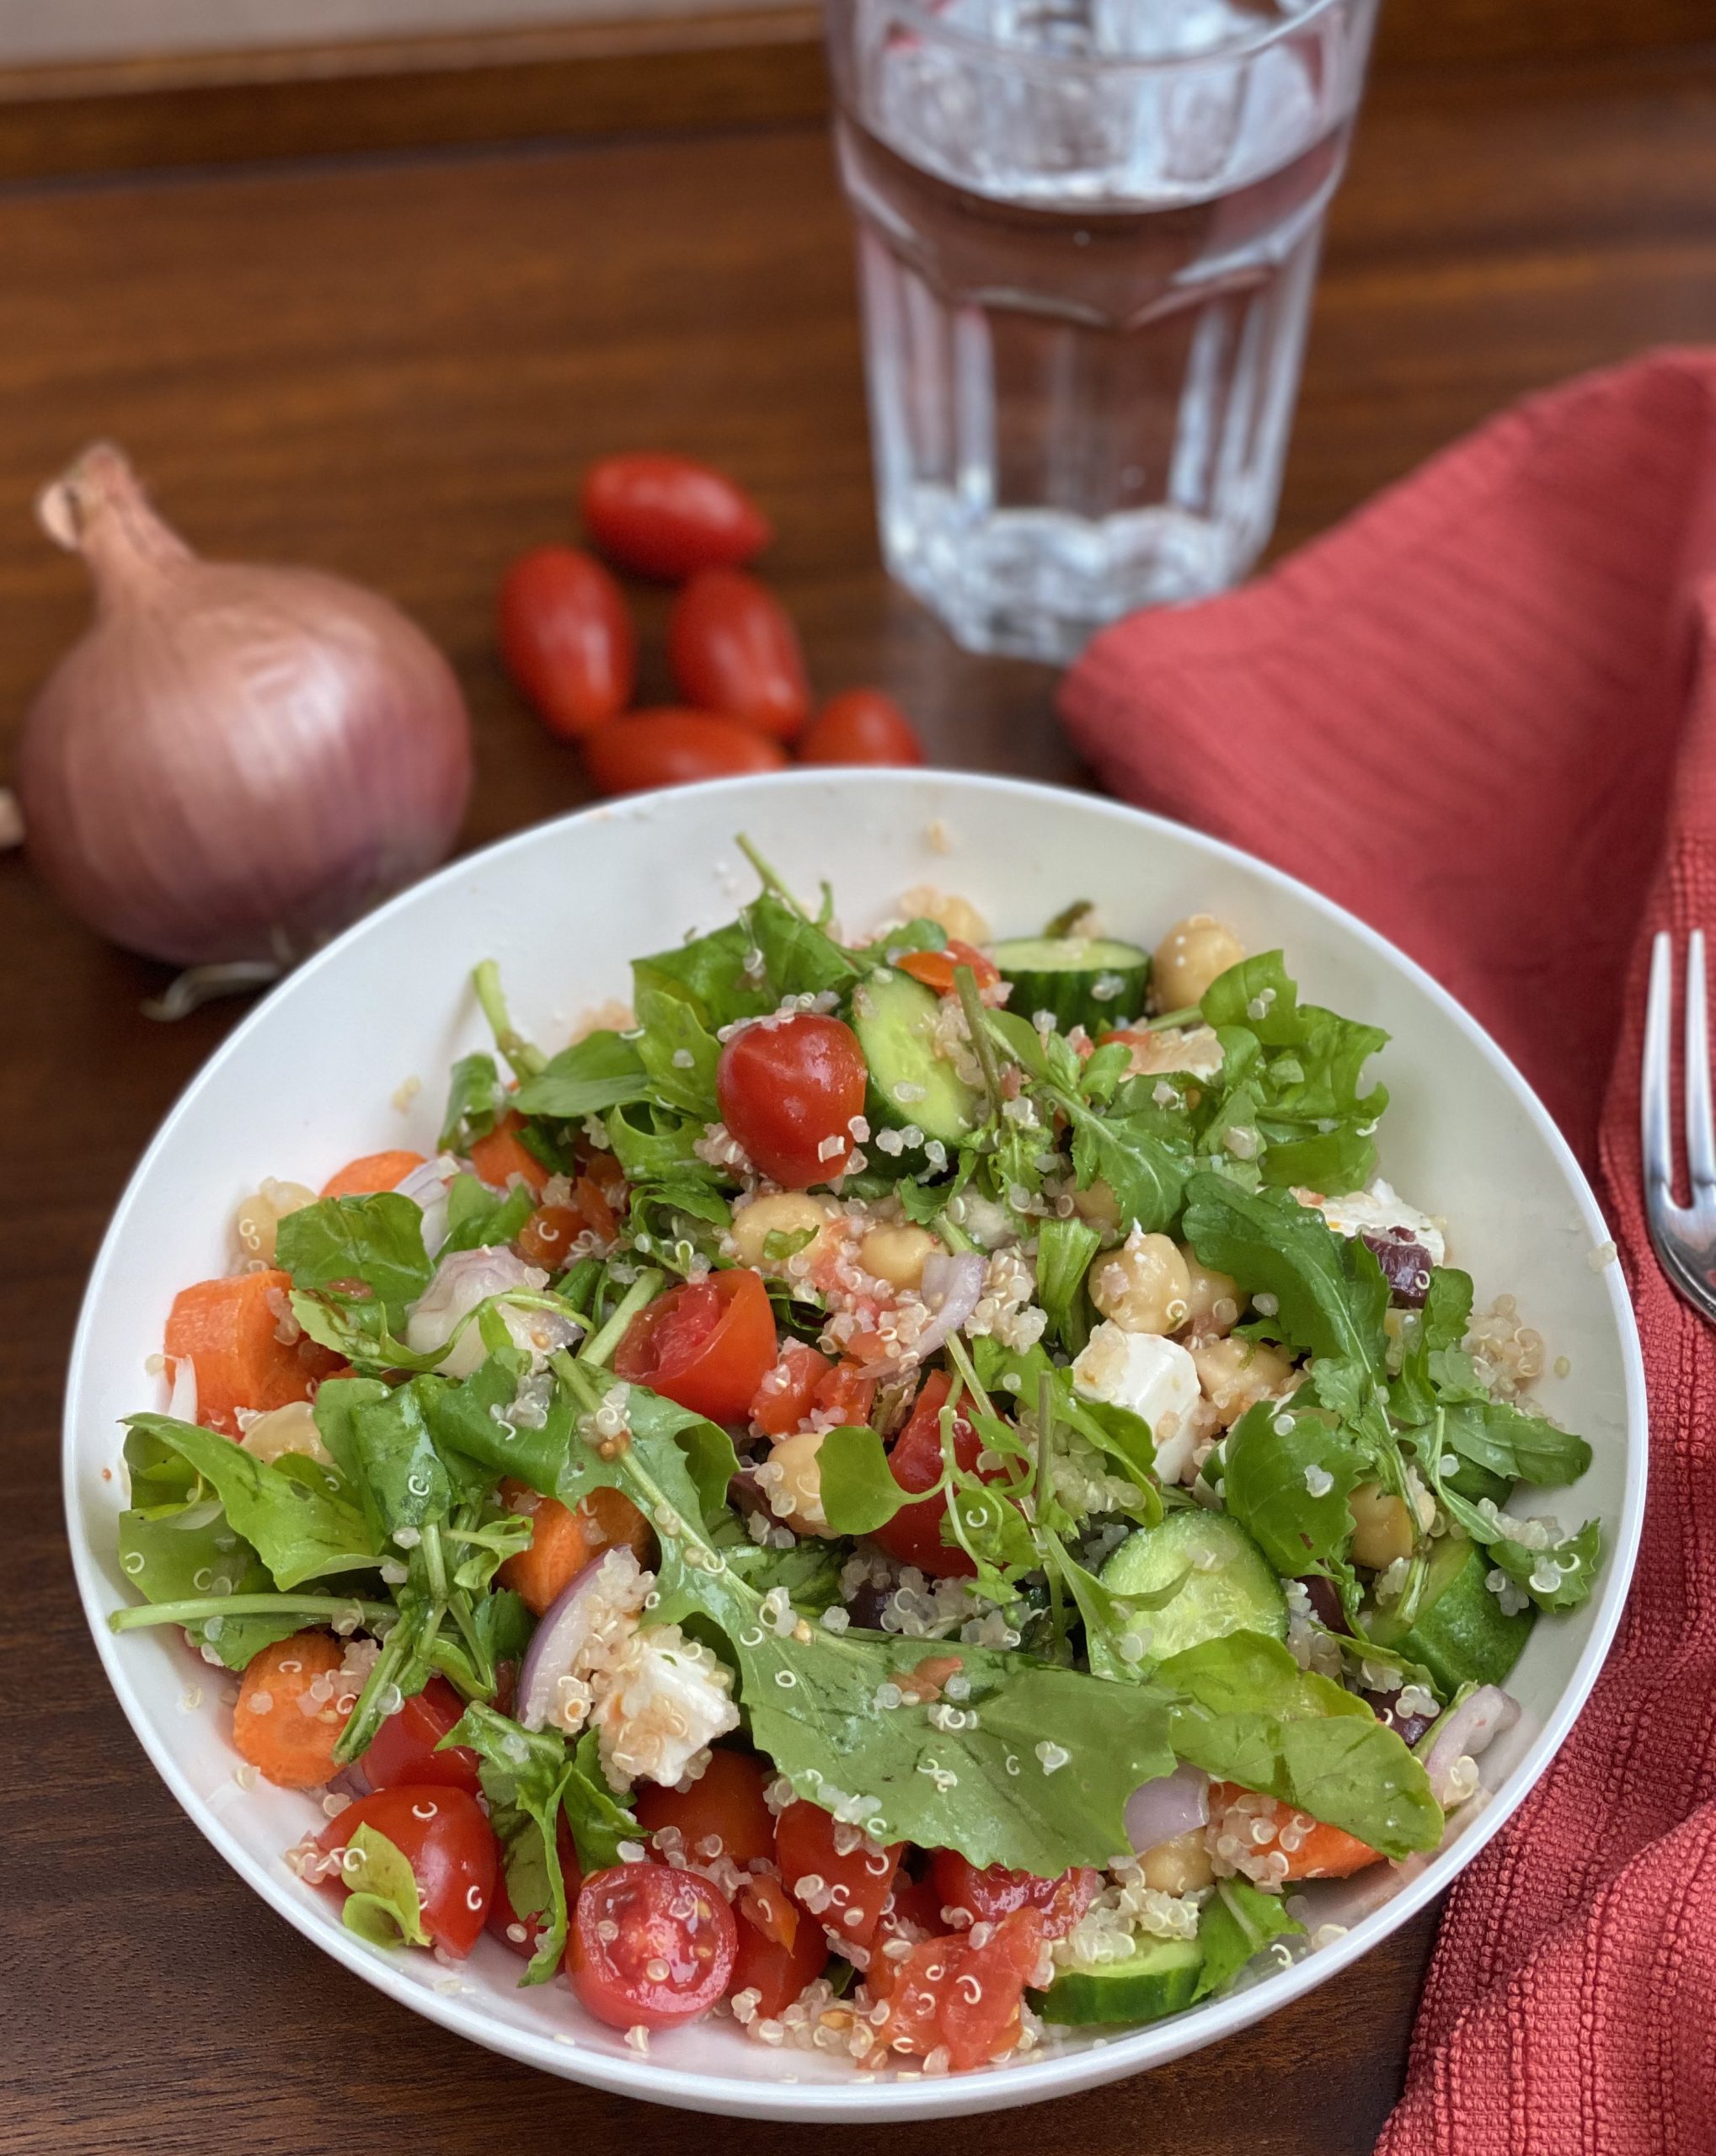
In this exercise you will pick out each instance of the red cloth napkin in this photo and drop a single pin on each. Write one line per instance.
(1482, 713)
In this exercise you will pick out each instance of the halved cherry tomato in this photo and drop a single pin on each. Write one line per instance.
(503, 1154)
(670, 747)
(504, 1919)
(861, 727)
(913, 1536)
(566, 638)
(1322, 1851)
(733, 648)
(724, 1804)
(789, 1391)
(936, 968)
(790, 1090)
(405, 1748)
(848, 1392)
(705, 1345)
(449, 1844)
(779, 1951)
(948, 1994)
(852, 1884)
(995, 1892)
(649, 1945)
(664, 516)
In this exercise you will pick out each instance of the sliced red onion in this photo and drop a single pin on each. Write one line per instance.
(1464, 1732)
(181, 1402)
(427, 1188)
(952, 1282)
(461, 1282)
(1170, 1805)
(554, 1647)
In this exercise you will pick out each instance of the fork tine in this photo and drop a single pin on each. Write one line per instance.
(1653, 1109)
(1701, 1139)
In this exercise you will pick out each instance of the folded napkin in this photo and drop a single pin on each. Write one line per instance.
(1482, 713)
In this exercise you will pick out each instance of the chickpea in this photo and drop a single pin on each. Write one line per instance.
(1144, 1286)
(1235, 1374)
(783, 1213)
(1189, 957)
(290, 1428)
(948, 911)
(795, 1492)
(1215, 1298)
(1099, 1207)
(897, 1254)
(1382, 1528)
(1178, 1864)
(258, 1217)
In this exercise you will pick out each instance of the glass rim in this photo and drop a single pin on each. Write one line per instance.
(936, 26)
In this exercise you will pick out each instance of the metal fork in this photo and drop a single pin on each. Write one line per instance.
(1685, 1236)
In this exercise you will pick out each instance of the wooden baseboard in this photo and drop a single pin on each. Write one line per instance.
(643, 75)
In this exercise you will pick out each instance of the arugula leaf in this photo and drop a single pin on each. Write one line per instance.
(481, 1218)
(1574, 1558)
(710, 972)
(401, 1478)
(860, 1494)
(1148, 1179)
(1507, 1441)
(294, 1514)
(603, 1071)
(678, 1057)
(660, 1149)
(798, 958)
(1259, 993)
(1238, 1923)
(1065, 1249)
(383, 1906)
(1269, 1471)
(375, 1242)
(1330, 1294)
(474, 1104)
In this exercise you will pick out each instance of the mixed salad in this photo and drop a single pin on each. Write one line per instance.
(907, 1491)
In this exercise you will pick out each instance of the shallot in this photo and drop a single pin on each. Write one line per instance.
(234, 761)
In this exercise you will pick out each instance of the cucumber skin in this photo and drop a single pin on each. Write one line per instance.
(1488, 1658)
(1066, 990)
(1262, 1601)
(1124, 1991)
(873, 1001)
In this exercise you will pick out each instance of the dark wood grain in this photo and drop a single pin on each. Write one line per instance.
(396, 369)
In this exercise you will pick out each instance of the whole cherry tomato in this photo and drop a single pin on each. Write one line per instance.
(724, 1803)
(914, 1534)
(936, 968)
(845, 1889)
(995, 1892)
(670, 747)
(789, 1089)
(449, 1844)
(665, 516)
(504, 1919)
(780, 1951)
(861, 725)
(566, 636)
(405, 1748)
(649, 1945)
(733, 648)
(704, 1345)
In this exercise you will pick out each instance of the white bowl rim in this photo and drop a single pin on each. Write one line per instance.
(1025, 2081)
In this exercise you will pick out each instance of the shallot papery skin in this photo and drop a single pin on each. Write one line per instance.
(234, 761)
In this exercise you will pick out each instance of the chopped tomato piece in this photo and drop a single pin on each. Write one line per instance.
(914, 1535)
(288, 1720)
(231, 1330)
(705, 1345)
(563, 1541)
(373, 1172)
(649, 1945)
(995, 1892)
(502, 1154)
(848, 1392)
(912, 1911)
(1313, 1849)
(723, 1804)
(936, 968)
(789, 1391)
(779, 1951)
(948, 1995)
(844, 1888)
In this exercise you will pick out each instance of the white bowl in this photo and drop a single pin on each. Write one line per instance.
(307, 1080)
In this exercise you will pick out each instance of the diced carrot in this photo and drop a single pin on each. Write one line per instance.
(499, 1156)
(936, 968)
(1312, 1848)
(375, 1172)
(563, 1541)
(231, 1330)
(279, 1725)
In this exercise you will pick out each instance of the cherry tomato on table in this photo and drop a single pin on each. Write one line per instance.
(665, 516)
(914, 1534)
(995, 1892)
(566, 638)
(449, 1844)
(733, 648)
(504, 1919)
(705, 1345)
(936, 968)
(861, 727)
(724, 1804)
(948, 1994)
(404, 1748)
(670, 747)
(856, 1881)
(788, 1090)
(649, 1945)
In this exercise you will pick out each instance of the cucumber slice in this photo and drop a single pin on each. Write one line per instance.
(1461, 1633)
(893, 1017)
(1158, 1979)
(1084, 981)
(1229, 1587)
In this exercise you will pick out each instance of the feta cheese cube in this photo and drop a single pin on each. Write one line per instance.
(1377, 1211)
(1156, 1378)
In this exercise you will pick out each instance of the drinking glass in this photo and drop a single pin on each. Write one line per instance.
(1087, 236)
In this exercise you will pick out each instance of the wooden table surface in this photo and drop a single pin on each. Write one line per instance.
(396, 369)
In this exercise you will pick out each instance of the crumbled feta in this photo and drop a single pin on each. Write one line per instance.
(1154, 1377)
(666, 1699)
(1376, 1211)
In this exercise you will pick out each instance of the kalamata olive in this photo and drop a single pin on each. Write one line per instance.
(1406, 1264)
(1386, 1706)
(1325, 1601)
(865, 1607)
